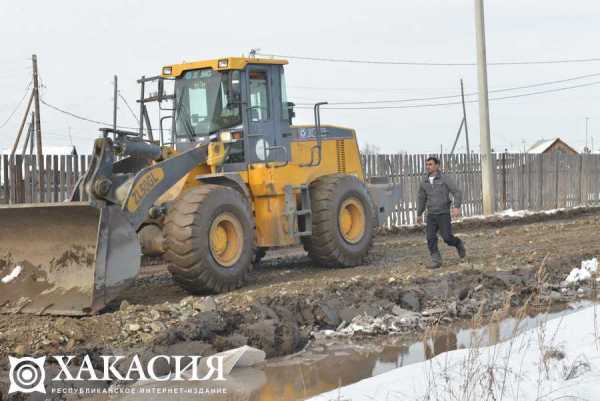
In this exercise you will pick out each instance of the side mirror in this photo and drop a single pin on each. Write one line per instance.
(291, 112)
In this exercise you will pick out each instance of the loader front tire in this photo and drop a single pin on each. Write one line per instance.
(209, 239)
(343, 221)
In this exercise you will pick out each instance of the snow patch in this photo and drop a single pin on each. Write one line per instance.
(13, 275)
(584, 273)
(510, 213)
(564, 364)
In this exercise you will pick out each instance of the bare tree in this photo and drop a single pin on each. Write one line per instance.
(370, 149)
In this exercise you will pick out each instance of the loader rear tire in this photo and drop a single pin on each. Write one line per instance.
(343, 221)
(209, 239)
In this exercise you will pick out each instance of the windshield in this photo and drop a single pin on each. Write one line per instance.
(203, 106)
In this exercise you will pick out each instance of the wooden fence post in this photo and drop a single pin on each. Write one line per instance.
(541, 181)
(522, 184)
(556, 176)
(504, 181)
(580, 192)
(5, 178)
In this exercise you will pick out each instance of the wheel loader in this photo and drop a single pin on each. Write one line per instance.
(229, 178)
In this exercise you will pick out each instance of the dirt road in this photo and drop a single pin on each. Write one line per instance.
(288, 298)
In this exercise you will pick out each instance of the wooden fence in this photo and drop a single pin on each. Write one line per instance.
(523, 181)
(20, 182)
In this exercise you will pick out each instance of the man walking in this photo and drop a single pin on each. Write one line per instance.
(434, 195)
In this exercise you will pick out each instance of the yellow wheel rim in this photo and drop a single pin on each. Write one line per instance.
(226, 239)
(352, 220)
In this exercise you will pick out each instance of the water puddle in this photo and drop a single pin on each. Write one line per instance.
(333, 362)
(326, 366)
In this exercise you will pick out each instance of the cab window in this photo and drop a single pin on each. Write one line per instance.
(260, 109)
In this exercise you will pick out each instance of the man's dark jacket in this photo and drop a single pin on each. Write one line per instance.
(436, 197)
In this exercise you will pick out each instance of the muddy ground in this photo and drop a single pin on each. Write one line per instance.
(288, 298)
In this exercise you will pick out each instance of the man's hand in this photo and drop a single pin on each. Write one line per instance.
(456, 212)
(419, 220)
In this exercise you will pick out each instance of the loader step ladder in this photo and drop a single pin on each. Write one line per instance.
(299, 215)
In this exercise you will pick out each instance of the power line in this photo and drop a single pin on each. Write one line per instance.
(86, 119)
(535, 85)
(441, 104)
(373, 89)
(65, 136)
(90, 120)
(416, 106)
(129, 107)
(429, 63)
(19, 103)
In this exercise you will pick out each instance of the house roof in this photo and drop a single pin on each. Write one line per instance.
(543, 144)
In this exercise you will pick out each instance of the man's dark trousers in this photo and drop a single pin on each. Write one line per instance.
(443, 224)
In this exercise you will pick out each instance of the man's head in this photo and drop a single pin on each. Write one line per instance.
(432, 165)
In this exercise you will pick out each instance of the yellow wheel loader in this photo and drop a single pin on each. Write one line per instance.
(230, 178)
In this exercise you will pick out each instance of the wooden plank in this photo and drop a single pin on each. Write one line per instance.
(529, 181)
(13, 181)
(403, 188)
(468, 193)
(410, 187)
(55, 179)
(48, 179)
(82, 165)
(69, 175)
(21, 182)
(413, 188)
(75, 174)
(5, 179)
(471, 183)
(541, 182)
(479, 183)
(556, 179)
(27, 179)
(35, 188)
(62, 178)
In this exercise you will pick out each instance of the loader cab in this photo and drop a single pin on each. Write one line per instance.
(243, 99)
(267, 114)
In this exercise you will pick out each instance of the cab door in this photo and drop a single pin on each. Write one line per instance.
(264, 114)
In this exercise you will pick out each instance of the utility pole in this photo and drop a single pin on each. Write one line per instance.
(487, 178)
(20, 131)
(463, 122)
(38, 127)
(116, 93)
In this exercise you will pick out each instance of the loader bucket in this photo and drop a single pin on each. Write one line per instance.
(64, 258)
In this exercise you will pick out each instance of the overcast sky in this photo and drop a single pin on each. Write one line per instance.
(82, 44)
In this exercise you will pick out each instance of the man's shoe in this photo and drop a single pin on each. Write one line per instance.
(462, 252)
(436, 261)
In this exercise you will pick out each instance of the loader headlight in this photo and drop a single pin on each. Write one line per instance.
(230, 136)
(223, 63)
(225, 136)
(167, 70)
